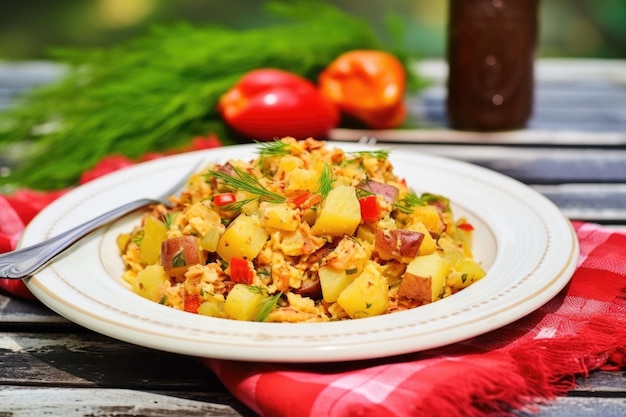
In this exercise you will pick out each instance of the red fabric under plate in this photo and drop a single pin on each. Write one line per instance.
(531, 360)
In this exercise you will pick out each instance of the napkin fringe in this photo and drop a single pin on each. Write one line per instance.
(551, 366)
(528, 375)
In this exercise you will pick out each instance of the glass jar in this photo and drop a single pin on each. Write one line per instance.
(491, 53)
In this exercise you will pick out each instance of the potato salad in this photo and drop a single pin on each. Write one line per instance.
(302, 233)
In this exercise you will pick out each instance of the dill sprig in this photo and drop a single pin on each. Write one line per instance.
(267, 305)
(325, 181)
(238, 205)
(158, 91)
(379, 154)
(410, 200)
(244, 181)
(273, 148)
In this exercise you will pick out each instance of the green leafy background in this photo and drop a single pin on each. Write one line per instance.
(145, 75)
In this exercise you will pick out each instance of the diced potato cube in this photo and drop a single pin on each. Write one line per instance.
(429, 215)
(279, 216)
(366, 233)
(178, 254)
(400, 244)
(340, 213)
(302, 179)
(464, 273)
(465, 237)
(155, 232)
(393, 271)
(244, 238)
(425, 278)
(201, 218)
(122, 241)
(367, 295)
(212, 309)
(210, 239)
(287, 164)
(149, 281)
(333, 281)
(243, 302)
(252, 207)
(428, 243)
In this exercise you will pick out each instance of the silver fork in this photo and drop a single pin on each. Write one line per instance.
(24, 262)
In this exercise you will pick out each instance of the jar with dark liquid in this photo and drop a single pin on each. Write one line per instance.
(491, 52)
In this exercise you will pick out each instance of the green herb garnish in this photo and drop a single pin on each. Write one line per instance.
(379, 154)
(244, 181)
(138, 238)
(361, 193)
(179, 259)
(325, 181)
(410, 200)
(168, 219)
(267, 305)
(273, 148)
(238, 205)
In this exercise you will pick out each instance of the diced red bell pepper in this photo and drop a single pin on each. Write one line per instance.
(224, 199)
(240, 271)
(300, 198)
(370, 210)
(465, 227)
(269, 103)
(191, 303)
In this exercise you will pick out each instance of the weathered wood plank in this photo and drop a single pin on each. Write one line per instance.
(38, 401)
(603, 382)
(89, 359)
(579, 407)
(70, 402)
(545, 165)
(16, 312)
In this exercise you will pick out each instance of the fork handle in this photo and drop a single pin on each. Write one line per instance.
(24, 262)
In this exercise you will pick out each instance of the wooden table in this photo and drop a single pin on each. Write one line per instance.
(573, 151)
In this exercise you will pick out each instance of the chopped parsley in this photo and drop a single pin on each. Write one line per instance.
(179, 258)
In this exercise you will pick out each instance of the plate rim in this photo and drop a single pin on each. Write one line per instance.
(317, 354)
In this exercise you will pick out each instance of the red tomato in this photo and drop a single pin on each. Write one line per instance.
(240, 271)
(270, 103)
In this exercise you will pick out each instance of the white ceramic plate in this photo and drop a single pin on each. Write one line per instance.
(527, 246)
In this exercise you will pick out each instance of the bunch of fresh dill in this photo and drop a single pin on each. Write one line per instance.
(158, 91)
